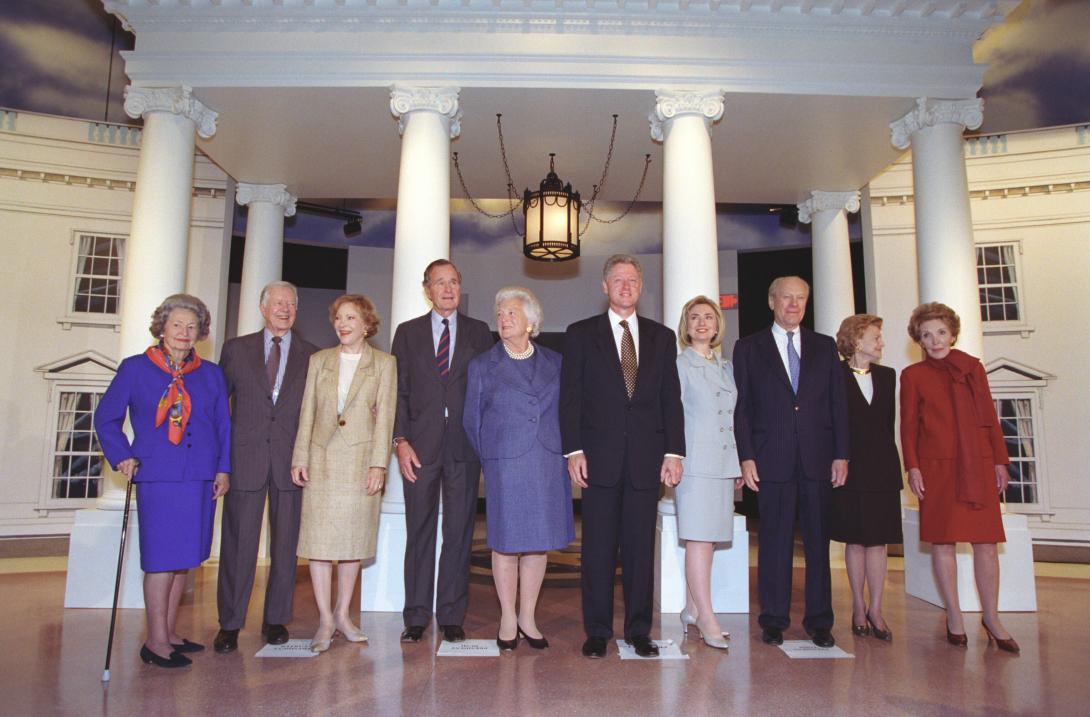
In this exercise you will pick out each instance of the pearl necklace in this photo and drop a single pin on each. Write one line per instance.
(520, 355)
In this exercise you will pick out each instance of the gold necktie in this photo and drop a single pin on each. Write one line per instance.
(628, 359)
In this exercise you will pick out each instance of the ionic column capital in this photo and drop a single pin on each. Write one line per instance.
(139, 101)
(442, 100)
(276, 194)
(672, 103)
(928, 113)
(825, 201)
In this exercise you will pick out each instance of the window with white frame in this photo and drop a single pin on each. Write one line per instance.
(998, 275)
(1016, 419)
(77, 456)
(97, 274)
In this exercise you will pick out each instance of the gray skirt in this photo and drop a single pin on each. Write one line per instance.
(705, 509)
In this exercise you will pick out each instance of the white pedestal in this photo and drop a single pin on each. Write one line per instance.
(383, 579)
(92, 561)
(1017, 590)
(730, 569)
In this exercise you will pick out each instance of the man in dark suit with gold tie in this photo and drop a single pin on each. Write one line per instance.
(433, 353)
(622, 430)
(791, 427)
(266, 372)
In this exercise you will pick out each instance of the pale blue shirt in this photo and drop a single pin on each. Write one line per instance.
(779, 335)
(437, 331)
(285, 346)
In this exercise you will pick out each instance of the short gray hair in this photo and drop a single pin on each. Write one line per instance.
(621, 259)
(775, 285)
(278, 285)
(181, 301)
(530, 305)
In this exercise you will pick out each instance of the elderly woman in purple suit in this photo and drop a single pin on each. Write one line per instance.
(179, 458)
(513, 423)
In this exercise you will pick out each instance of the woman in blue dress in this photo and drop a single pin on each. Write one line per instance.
(512, 420)
(179, 459)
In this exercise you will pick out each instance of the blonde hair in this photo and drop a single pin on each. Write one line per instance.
(683, 337)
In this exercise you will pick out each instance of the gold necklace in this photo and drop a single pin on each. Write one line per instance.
(859, 371)
(520, 355)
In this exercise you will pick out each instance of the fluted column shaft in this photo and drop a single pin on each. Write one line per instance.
(157, 247)
(834, 295)
(263, 260)
(945, 254)
(428, 118)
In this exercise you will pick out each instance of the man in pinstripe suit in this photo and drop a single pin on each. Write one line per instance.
(791, 426)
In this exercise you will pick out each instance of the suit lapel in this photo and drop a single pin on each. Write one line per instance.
(363, 372)
(459, 361)
(255, 356)
(608, 346)
(505, 371)
(296, 366)
(646, 351)
(809, 359)
(771, 355)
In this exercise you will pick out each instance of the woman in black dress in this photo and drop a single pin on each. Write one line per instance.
(866, 510)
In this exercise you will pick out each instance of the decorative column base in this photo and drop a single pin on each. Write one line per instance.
(730, 569)
(92, 561)
(1017, 589)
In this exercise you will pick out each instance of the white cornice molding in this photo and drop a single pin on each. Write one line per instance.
(672, 103)
(928, 113)
(961, 19)
(441, 100)
(278, 194)
(178, 100)
(828, 201)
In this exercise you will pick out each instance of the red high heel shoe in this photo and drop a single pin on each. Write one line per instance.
(1008, 645)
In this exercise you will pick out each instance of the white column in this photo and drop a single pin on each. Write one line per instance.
(834, 295)
(155, 252)
(428, 119)
(945, 254)
(690, 249)
(263, 258)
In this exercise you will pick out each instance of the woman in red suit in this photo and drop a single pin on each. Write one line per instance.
(957, 464)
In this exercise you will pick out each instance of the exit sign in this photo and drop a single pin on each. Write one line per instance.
(728, 301)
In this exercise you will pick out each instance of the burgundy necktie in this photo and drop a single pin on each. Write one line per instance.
(272, 365)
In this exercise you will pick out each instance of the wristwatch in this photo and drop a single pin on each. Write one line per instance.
(398, 440)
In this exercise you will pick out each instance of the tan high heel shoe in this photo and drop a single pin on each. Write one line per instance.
(322, 639)
(350, 632)
(689, 620)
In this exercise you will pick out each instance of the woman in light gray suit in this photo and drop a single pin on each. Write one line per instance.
(705, 495)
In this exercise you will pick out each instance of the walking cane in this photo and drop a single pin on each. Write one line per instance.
(117, 580)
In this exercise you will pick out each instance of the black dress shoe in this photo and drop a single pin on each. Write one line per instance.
(538, 643)
(644, 646)
(175, 659)
(822, 637)
(454, 633)
(412, 633)
(226, 641)
(275, 634)
(594, 648)
(186, 646)
(507, 645)
(772, 636)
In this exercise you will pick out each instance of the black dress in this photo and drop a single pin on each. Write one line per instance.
(866, 510)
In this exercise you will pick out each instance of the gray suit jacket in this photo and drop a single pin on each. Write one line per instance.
(263, 433)
(708, 395)
(422, 395)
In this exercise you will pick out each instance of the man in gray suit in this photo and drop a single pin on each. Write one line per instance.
(433, 353)
(266, 372)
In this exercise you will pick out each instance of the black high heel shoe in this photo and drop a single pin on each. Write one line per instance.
(538, 643)
(175, 659)
(186, 646)
(886, 634)
(507, 645)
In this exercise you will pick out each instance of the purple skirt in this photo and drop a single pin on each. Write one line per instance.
(175, 524)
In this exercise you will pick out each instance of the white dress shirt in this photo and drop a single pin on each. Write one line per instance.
(346, 372)
(615, 320)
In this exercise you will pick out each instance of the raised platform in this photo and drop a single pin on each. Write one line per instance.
(730, 569)
(92, 561)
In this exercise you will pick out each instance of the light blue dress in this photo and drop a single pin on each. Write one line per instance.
(705, 495)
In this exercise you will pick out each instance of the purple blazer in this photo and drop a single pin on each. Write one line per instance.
(206, 448)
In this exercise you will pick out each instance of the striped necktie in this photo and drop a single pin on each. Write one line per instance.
(442, 353)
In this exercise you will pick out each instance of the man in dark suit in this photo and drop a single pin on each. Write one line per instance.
(791, 426)
(433, 352)
(622, 430)
(266, 372)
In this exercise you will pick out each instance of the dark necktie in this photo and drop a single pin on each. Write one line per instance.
(272, 365)
(442, 352)
(793, 361)
(628, 359)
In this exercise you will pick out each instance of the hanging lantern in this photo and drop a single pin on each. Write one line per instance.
(552, 219)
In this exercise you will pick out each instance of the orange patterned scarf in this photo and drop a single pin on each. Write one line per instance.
(175, 399)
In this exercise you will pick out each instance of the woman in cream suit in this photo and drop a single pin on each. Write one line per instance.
(705, 495)
(341, 453)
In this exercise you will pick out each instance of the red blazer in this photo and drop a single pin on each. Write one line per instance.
(928, 429)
